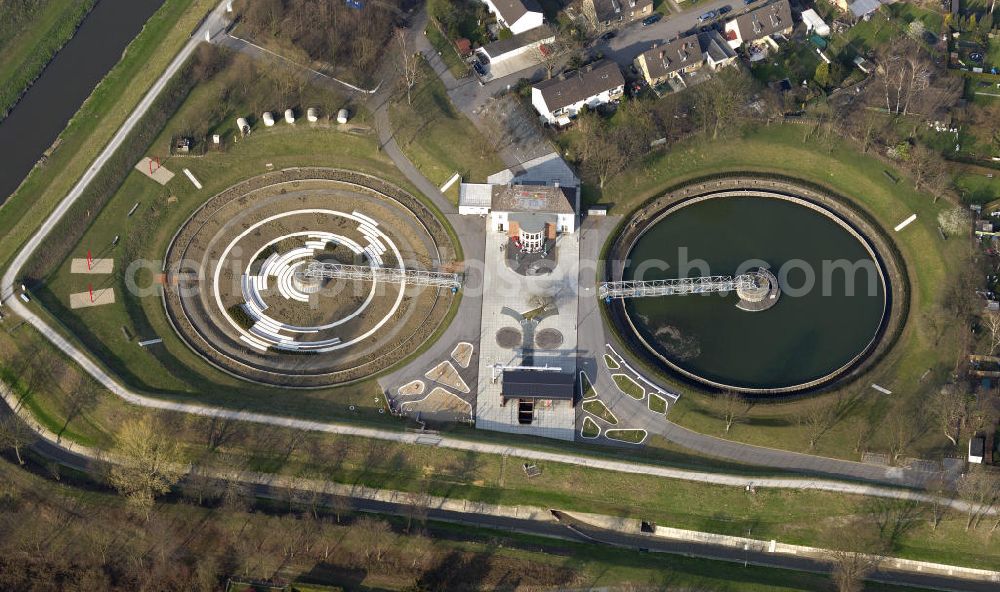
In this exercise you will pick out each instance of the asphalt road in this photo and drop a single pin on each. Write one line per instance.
(635, 38)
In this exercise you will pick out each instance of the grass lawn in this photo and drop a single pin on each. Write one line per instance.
(99, 118)
(439, 140)
(172, 369)
(597, 408)
(629, 386)
(630, 436)
(976, 187)
(590, 428)
(657, 404)
(798, 517)
(586, 388)
(610, 362)
(789, 150)
(29, 48)
(457, 67)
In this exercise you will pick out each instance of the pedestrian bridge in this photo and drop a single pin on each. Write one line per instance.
(698, 285)
(321, 270)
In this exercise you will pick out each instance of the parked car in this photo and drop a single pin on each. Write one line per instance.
(725, 10)
(748, 2)
(711, 14)
(480, 68)
(651, 19)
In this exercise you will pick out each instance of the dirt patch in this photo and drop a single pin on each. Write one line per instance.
(438, 400)
(447, 375)
(462, 354)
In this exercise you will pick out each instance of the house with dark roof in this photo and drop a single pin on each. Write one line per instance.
(605, 14)
(715, 50)
(561, 98)
(670, 59)
(760, 24)
(517, 15)
(519, 44)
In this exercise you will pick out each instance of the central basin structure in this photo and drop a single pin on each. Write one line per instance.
(834, 303)
(236, 292)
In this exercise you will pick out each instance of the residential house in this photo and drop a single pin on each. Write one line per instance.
(519, 44)
(673, 58)
(561, 98)
(604, 14)
(759, 25)
(715, 50)
(683, 55)
(517, 15)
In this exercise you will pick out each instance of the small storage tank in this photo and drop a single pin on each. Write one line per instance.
(268, 118)
(312, 114)
(289, 116)
(343, 115)
(243, 125)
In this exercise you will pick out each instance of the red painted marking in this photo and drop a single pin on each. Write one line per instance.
(91, 288)
(88, 260)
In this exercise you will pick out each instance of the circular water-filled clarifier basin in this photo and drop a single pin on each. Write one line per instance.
(832, 293)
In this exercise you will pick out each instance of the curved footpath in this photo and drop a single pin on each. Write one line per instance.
(551, 523)
(774, 458)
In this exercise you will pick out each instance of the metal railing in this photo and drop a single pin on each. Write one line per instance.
(318, 269)
(698, 285)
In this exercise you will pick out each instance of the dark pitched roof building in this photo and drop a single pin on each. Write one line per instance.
(606, 12)
(512, 10)
(533, 199)
(715, 49)
(519, 43)
(538, 384)
(764, 21)
(589, 81)
(660, 62)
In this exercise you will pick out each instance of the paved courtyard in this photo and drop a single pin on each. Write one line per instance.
(506, 296)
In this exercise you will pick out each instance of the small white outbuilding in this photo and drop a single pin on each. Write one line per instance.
(814, 22)
(343, 115)
(268, 118)
(289, 116)
(312, 114)
(243, 125)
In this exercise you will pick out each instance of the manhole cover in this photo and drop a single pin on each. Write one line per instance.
(508, 337)
(548, 339)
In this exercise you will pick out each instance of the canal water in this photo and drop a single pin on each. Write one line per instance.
(807, 335)
(70, 77)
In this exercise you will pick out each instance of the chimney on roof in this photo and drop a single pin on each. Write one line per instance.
(556, 184)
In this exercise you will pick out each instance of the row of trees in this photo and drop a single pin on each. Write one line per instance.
(351, 40)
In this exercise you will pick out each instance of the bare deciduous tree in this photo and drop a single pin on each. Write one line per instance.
(734, 408)
(15, 435)
(858, 553)
(980, 487)
(950, 408)
(408, 64)
(147, 463)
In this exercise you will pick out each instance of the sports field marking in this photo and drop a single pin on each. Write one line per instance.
(86, 300)
(101, 266)
(159, 173)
